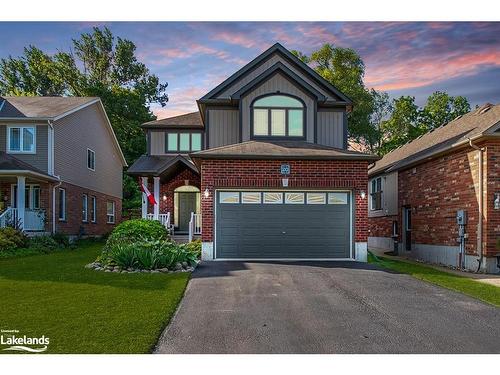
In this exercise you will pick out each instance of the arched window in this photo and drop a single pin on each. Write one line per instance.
(278, 116)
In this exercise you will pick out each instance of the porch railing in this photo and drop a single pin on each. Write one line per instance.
(34, 219)
(164, 219)
(8, 217)
(194, 225)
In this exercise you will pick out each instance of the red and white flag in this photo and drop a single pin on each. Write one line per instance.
(146, 191)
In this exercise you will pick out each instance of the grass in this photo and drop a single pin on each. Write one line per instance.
(82, 310)
(465, 285)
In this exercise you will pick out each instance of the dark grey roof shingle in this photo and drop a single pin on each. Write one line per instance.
(192, 119)
(11, 163)
(40, 106)
(281, 150)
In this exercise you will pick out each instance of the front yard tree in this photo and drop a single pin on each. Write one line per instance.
(98, 65)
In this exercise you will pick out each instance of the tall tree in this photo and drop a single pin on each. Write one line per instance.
(99, 66)
(442, 108)
(382, 108)
(345, 69)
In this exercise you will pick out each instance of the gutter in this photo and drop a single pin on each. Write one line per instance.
(480, 203)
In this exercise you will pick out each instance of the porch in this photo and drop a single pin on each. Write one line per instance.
(24, 203)
(174, 182)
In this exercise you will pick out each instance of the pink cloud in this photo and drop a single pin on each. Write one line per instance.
(423, 70)
(238, 39)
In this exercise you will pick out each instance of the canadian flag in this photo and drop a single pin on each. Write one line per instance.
(146, 191)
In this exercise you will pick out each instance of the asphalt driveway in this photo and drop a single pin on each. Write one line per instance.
(324, 307)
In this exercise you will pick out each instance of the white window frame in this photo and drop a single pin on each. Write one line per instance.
(63, 218)
(93, 216)
(110, 218)
(21, 140)
(92, 152)
(85, 208)
(372, 206)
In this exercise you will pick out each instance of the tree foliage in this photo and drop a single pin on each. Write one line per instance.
(98, 65)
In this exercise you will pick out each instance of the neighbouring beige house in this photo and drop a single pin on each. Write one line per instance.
(60, 165)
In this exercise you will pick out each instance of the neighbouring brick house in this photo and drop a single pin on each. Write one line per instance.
(60, 166)
(417, 191)
(262, 170)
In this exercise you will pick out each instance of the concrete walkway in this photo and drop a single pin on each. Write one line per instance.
(324, 307)
(481, 277)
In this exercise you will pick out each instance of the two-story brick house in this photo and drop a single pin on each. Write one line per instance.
(263, 165)
(60, 166)
(439, 195)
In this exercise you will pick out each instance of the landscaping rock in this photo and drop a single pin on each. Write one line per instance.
(164, 270)
(107, 270)
(185, 265)
(178, 267)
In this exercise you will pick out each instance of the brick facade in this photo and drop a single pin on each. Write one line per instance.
(167, 188)
(305, 174)
(436, 189)
(73, 225)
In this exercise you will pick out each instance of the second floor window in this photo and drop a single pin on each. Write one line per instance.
(376, 194)
(278, 116)
(91, 159)
(21, 139)
(183, 142)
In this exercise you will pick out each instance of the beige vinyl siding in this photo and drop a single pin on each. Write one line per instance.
(223, 127)
(277, 83)
(40, 158)
(75, 133)
(263, 67)
(157, 142)
(331, 128)
(389, 196)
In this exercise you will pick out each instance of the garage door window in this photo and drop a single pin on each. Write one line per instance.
(250, 197)
(316, 198)
(294, 198)
(229, 197)
(273, 198)
(337, 198)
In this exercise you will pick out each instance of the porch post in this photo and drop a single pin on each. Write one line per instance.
(144, 199)
(21, 185)
(156, 209)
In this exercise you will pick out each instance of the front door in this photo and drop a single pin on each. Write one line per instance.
(187, 204)
(407, 228)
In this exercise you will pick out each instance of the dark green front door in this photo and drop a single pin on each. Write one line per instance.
(187, 204)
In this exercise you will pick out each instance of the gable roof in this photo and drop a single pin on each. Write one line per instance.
(157, 165)
(484, 120)
(276, 48)
(41, 107)
(192, 120)
(278, 68)
(297, 150)
(11, 164)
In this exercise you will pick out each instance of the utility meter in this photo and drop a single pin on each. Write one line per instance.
(461, 217)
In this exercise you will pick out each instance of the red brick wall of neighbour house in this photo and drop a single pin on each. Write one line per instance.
(167, 189)
(436, 190)
(381, 226)
(266, 174)
(492, 186)
(74, 207)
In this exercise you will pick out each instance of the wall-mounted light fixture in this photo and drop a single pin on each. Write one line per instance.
(164, 197)
(496, 201)
(362, 193)
(206, 193)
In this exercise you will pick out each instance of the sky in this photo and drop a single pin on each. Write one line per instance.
(415, 58)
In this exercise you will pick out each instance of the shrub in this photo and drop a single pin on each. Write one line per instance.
(61, 239)
(148, 255)
(194, 247)
(11, 239)
(137, 230)
(43, 244)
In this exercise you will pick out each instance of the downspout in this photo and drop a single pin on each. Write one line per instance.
(51, 171)
(480, 203)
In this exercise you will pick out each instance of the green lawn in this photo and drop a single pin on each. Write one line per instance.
(86, 311)
(484, 292)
